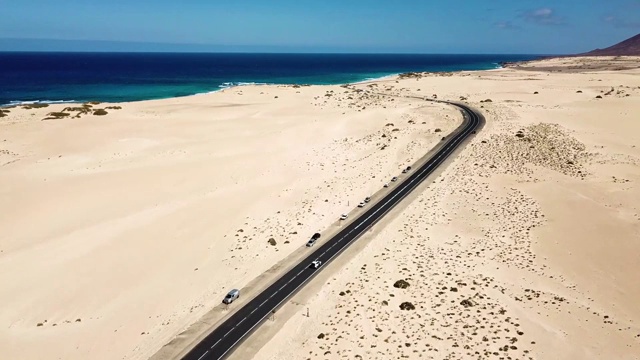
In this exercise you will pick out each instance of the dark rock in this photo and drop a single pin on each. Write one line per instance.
(272, 242)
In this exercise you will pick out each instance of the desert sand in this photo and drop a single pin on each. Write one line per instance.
(119, 231)
(526, 247)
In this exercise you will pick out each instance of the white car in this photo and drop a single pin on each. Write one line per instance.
(386, 185)
(344, 217)
(315, 264)
(367, 199)
(362, 204)
(395, 178)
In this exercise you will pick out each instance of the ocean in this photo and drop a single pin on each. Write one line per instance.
(120, 77)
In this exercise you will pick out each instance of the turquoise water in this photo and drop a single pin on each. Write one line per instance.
(118, 77)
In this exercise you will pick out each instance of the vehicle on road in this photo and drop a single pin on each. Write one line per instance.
(344, 217)
(313, 239)
(231, 296)
(367, 199)
(386, 185)
(408, 168)
(395, 178)
(315, 264)
(362, 204)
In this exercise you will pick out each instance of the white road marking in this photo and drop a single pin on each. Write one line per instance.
(460, 137)
(203, 355)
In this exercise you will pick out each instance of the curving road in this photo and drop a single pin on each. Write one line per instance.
(222, 340)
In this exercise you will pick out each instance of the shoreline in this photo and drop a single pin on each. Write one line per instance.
(148, 215)
(234, 84)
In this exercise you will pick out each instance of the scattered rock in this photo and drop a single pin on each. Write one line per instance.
(401, 284)
(272, 242)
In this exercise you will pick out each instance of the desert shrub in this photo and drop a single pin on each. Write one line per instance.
(100, 112)
(58, 114)
(407, 306)
(35, 106)
(79, 109)
(114, 107)
(401, 284)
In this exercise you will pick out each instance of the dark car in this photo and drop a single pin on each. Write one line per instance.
(313, 240)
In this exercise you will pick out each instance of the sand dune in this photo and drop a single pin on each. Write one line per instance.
(119, 231)
(526, 247)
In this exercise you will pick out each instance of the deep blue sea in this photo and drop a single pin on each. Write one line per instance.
(118, 77)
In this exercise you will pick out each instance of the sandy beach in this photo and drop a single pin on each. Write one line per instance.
(120, 231)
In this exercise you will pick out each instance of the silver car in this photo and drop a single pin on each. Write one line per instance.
(231, 296)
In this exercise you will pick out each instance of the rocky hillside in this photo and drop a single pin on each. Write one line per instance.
(629, 47)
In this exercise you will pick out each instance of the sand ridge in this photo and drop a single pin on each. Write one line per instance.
(122, 230)
(119, 231)
(523, 249)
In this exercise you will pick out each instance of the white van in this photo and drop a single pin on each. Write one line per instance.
(231, 296)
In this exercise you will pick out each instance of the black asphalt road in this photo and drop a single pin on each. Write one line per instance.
(228, 335)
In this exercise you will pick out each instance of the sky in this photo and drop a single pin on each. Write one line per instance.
(351, 26)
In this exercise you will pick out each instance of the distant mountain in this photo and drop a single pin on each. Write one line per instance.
(629, 47)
